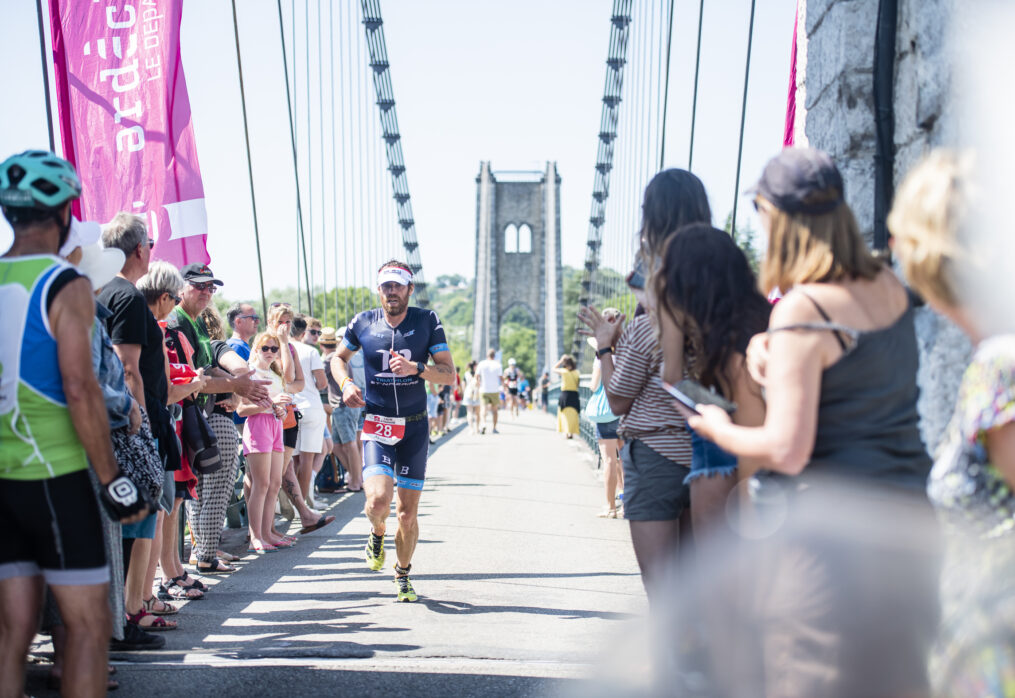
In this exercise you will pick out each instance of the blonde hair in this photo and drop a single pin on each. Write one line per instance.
(814, 248)
(213, 323)
(313, 322)
(926, 220)
(276, 314)
(259, 341)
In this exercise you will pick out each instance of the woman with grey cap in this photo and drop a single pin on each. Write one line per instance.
(838, 364)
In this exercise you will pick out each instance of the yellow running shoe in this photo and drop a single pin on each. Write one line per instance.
(405, 591)
(375, 552)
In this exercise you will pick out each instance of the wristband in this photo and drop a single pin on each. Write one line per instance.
(341, 383)
(604, 351)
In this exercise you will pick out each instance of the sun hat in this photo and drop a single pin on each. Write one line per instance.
(100, 264)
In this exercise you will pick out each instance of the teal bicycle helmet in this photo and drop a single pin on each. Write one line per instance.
(37, 179)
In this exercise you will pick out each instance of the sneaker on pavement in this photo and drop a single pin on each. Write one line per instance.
(375, 552)
(406, 594)
(136, 640)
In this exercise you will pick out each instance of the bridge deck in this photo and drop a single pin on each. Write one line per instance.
(518, 581)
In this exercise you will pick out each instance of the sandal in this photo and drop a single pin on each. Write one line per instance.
(321, 523)
(215, 567)
(261, 548)
(195, 583)
(226, 557)
(158, 607)
(175, 590)
(158, 623)
(607, 514)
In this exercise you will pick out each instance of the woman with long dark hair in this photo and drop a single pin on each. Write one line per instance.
(706, 291)
(657, 447)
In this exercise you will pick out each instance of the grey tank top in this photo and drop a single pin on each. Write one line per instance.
(867, 418)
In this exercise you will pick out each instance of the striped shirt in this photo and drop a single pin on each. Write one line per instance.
(650, 419)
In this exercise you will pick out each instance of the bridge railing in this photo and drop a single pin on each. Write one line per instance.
(587, 429)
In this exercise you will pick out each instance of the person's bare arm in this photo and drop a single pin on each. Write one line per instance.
(1001, 450)
(130, 357)
(440, 372)
(793, 378)
(671, 337)
(70, 320)
(235, 376)
(320, 381)
(597, 376)
(352, 396)
(299, 381)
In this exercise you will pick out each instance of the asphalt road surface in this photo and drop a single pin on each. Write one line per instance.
(523, 591)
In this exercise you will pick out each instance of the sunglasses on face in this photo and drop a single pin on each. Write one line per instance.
(208, 286)
(255, 318)
(316, 333)
(176, 299)
(273, 350)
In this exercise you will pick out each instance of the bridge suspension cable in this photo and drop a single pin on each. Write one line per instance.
(620, 26)
(641, 30)
(374, 27)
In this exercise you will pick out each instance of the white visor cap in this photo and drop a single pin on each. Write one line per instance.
(400, 276)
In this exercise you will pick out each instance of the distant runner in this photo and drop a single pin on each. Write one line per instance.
(397, 341)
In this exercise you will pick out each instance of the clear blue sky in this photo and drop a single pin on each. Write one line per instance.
(517, 83)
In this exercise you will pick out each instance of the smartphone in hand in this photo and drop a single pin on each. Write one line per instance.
(691, 393)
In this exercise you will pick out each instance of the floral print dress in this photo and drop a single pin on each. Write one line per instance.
(975, 652)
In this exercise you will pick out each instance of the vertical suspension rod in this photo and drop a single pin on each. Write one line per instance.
(292, 139)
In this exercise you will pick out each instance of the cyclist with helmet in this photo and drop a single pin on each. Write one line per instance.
(52, 425)
(396, 341)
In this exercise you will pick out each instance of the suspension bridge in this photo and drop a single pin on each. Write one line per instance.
(353, 205)
(522, 588)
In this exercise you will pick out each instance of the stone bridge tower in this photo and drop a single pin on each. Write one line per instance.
(518, 257)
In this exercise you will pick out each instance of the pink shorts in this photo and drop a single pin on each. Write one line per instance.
(262, 433)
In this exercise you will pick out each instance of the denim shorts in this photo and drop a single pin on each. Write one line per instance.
(345, 423)
(607, 430)
(707, 459)
(145, 528)
(654, 487)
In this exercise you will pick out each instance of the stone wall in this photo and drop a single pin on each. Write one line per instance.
(839, 45)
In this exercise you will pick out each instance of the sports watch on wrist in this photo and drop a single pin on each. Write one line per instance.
(604, 351)
(420, 367)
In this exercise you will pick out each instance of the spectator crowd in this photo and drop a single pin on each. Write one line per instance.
(128, 403)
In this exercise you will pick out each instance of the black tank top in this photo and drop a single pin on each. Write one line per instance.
(867, 419)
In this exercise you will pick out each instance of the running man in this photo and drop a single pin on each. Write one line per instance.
(396, 341)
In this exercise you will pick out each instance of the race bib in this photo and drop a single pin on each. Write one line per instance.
(385, 430)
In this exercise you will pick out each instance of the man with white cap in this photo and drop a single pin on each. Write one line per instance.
(396, 340)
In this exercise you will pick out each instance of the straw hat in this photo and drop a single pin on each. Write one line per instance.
(328, 336)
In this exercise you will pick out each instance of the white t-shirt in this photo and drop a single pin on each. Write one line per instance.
(310, 397)
(489, 371)
(358, 371)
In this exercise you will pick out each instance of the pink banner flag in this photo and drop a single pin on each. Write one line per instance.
(789, 130)
(125, 119)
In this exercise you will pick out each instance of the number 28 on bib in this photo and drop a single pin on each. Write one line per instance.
(385, 430)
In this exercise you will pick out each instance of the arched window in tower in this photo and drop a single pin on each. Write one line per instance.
(524, 238)
(511, 238)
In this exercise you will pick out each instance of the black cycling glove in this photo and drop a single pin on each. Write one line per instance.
(123, 499)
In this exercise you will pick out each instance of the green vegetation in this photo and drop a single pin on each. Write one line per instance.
(746, 237)
(452, 297)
